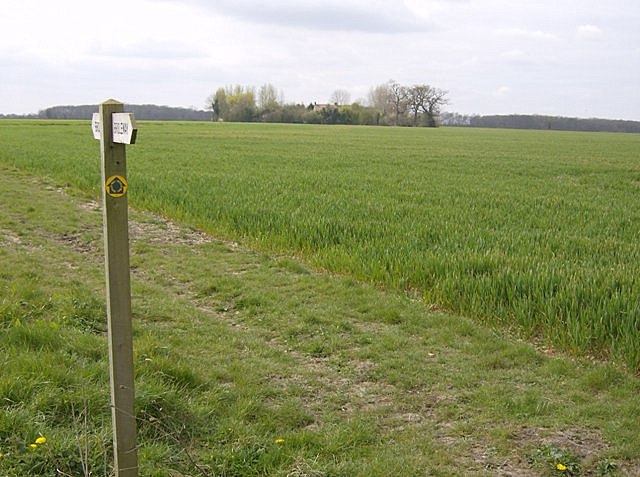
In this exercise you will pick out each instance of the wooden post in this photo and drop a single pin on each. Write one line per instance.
(116, 256)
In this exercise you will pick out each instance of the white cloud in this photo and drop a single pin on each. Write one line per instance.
(372, 16)
(514, 55)
(501, 91)
(528, 34)
(588, 32)
(177, 52)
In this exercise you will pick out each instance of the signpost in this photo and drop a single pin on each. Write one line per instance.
(123, 127)
(115, 128)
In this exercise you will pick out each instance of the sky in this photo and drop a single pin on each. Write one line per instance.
(576, 58)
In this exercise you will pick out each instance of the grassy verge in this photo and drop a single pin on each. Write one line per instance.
(253, 364)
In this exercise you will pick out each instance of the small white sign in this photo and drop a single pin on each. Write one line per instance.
(124, 127)
(96, 126)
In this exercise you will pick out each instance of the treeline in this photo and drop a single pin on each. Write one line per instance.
(532, 121)
(313, 113)
(388, 104)
(141, 111)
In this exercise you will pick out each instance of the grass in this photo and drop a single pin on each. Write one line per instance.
(250, 363)
(536, 230)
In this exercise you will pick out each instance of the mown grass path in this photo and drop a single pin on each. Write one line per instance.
(255, 364)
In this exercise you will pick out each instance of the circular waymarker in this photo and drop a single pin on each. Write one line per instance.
(116, 186)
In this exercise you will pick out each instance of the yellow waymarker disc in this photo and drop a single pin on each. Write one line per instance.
(116, 186)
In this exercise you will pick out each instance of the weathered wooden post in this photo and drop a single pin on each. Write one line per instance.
(115, 128)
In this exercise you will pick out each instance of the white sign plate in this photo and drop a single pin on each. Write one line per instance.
(125, 129)
(95, 126)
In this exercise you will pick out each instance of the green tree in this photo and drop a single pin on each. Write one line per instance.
(217, 104)
(241, 103)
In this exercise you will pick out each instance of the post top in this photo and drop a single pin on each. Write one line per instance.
(111, 101)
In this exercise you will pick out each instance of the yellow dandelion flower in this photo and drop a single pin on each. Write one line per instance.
(561, 467)
(41, 440)
(33, 446)
(279, 441)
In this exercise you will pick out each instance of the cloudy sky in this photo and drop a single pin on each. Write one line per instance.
(560, 57)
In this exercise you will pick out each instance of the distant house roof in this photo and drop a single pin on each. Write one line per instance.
(322, 107)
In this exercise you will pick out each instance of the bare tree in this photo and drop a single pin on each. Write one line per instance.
(425, 100)
(436, 99)
(417, 100)
(398, 97)
(380, 99)
(269, 98)
(341, 97)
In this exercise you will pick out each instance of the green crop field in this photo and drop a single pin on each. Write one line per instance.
(351, 312)
(537, 230)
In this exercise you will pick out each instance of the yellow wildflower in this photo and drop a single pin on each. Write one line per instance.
(33, 446)
(561, 467)
(41, 440)
(279, 441)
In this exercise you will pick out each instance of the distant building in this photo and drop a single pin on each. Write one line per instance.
(322, 107)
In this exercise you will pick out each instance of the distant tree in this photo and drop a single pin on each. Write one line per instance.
(454, 119)
(389, 103)
(417, 100)
(209, 105)
(269, 99)
(240, 104)
(398, 96)
(425, 101)
(435, 100)
(242, 107)
(380, 99)
(311, 116)
(365, 115)
(141, 111)
(217, 104)
(347, 115)
(340, 97)
(330, 116)
(293, 113)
